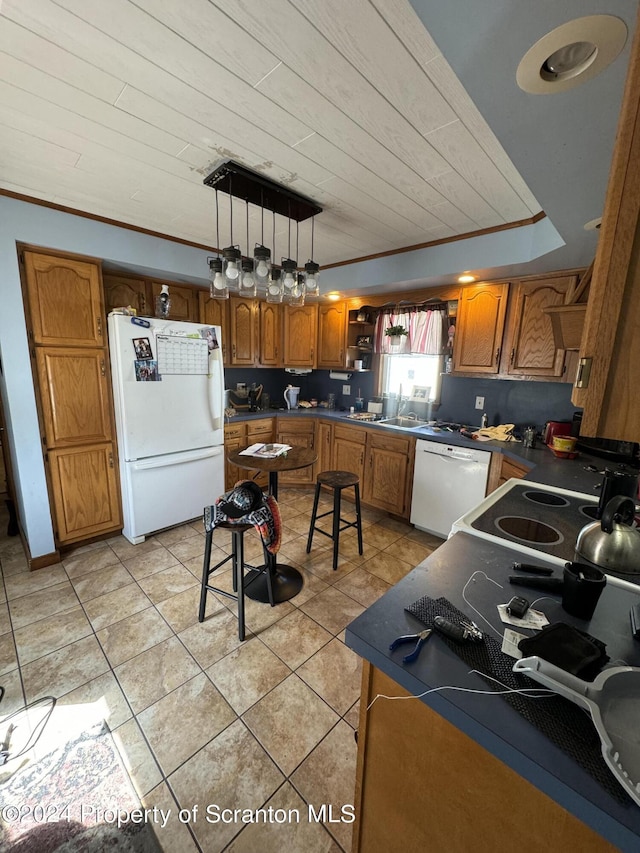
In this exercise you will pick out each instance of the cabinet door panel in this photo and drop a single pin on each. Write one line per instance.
(65, 301)
(270, 334)
(300, 335)
(349, 456)
(297, 435)
(119, 292)
(242, 323)
(530, 346)
(481, 315)
(184, 303)
(75, 396)
(385, 479)
(215, 312)
(331, 335)
(85, 491)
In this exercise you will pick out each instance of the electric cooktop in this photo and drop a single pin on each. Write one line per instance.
(536, 519)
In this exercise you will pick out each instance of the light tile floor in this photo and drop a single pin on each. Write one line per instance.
(200, 718)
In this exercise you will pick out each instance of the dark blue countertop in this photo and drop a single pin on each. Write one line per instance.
(489, 720)
(546, 468)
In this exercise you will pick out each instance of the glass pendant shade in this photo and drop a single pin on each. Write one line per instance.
(217, 283)
(247, 279)
(295, 296)
(311, 271)
(289, 274)
(274, 286)
(261, 264)
(231, 266)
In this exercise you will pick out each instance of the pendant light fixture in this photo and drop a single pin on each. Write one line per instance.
(232, 273)
(247, 280)
(217, 283)
(231, 256)
(311, 268)
(274, 284)
(262, 255)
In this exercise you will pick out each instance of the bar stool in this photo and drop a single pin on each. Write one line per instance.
(238, 567)
(336, 480)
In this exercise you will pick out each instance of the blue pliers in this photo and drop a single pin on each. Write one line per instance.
(420, 639)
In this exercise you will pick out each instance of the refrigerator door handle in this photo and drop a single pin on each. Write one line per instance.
(216, 388)
(176, 458)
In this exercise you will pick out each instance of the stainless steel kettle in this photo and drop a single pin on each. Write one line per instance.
(613, 542)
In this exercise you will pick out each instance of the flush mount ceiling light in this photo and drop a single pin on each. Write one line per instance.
(593, 224)
(244, 274)
(465, 278)
(571, 54)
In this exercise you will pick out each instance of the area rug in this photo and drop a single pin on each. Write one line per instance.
(77, 799)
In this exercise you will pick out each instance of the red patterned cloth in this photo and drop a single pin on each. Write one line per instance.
(265, 518)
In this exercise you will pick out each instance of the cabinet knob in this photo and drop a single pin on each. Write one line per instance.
(110, 459)
(99, 325)
(103, 371)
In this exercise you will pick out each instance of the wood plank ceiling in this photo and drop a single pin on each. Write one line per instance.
(121, 108)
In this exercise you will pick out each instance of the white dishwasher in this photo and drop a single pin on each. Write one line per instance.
(447, 482)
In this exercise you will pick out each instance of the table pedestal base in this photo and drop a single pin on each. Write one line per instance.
(287, 583)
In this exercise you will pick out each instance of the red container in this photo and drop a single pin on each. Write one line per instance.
(556, 428)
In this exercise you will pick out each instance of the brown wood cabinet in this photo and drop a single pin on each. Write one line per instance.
(261, 430)
(65, 301)
(235, 438)
(243, 332)
(215, 312)
(300, 335)
(298, 432)
(121, 292)
(349, 449)
(183, 305)
(332, 335)
(387, 479)
(610, 351)
(530, 348)
(75, 395)
(324, 446)
(270, 337)
(71, 373)
(479, 328)
(422, 780)
(85, 491)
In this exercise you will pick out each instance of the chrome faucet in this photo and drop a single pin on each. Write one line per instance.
(401, 402)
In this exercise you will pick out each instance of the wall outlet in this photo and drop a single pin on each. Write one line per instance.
(346, 389)
(479, 402)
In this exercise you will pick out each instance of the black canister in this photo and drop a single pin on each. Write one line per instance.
(529, 437)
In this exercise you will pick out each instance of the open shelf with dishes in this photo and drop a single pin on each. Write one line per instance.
(360, 330)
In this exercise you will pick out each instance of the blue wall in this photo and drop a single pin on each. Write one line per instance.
(316, 384)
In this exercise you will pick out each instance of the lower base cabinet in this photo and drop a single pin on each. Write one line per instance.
(422, 784)
(388, 477)
(297, 432)
(85, 491)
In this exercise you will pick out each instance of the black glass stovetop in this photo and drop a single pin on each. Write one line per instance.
(547, 521)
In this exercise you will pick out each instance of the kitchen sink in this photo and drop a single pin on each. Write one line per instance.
(406, 423)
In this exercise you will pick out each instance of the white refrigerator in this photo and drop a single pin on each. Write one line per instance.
(168, 390)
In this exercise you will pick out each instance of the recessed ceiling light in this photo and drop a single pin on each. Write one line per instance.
(571, 54)
(593, 224)
(466, 278)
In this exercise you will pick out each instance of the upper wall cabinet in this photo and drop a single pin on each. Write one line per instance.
(183, 304)
(300, 335)
(332, 335)
(529, 348)
(243, 331)
(215, 312)
(610, 350)
(65, 301)
(270, 348)
(123, 292)
(479, 328)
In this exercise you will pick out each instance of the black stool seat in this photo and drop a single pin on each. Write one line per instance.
(336, 480)
(237, 567)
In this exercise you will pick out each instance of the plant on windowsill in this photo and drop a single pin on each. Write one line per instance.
(395, 334)
(395, 331)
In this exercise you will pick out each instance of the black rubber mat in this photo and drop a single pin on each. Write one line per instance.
(570, 728)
